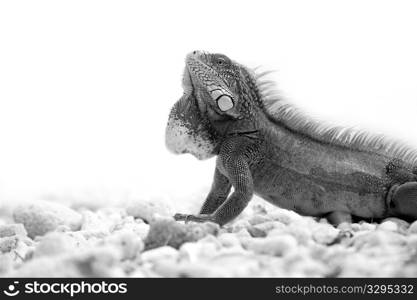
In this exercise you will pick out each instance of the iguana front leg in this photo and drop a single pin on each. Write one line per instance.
(219, 191)
(236, 169)
(239, 174)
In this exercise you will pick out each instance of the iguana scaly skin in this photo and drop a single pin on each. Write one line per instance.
(265, 146)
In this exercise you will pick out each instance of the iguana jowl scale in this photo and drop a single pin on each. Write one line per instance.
(265, 146)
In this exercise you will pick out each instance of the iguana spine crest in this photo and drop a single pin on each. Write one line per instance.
(286, 114)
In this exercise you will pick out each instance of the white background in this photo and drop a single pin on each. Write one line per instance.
(86, 86)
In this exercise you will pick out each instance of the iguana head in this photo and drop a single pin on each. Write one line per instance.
(218, 99)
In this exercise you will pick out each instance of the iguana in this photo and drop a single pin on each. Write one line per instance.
(268, 147)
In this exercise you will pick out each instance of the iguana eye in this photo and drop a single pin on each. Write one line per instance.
(220, 61)
(225, 103)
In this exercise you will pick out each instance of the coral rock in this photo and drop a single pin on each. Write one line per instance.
(169, 232)
(12, 229)
(41, 217)
(148, 210)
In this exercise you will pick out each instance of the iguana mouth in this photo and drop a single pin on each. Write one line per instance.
(187, 83)
(195, 67)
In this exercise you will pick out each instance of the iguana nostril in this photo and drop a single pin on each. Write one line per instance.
(197, 53)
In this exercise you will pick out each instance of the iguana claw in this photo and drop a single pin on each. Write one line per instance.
(194, 218)
(180, 217)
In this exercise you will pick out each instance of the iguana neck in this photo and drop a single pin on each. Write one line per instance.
(252, 117)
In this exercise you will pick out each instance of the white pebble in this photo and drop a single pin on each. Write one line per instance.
(412, 242)
(258, 219)
(8, 243)
(55, 243)
(401, 224)
(376, 239)
(229, 240)
(194, 252)
(302, 234)
(388, 226)
(239, 225)
(269, 225)
(356, 227)
(148, 210)
(12, 229)
(141, 229)
(364, 226)
(128, 242)
(276, 245)
(165, 252)
(413, 228)
(6, 263)
(344, 226)
(284, 216)
(95, 223)
(325, 234)
(41, 217)
(243, 234)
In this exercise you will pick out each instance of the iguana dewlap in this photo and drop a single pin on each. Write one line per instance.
(267, 147)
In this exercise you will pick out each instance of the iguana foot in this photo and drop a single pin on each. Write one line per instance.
(194, 218)
(402, 200)
(338, 217)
